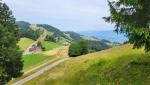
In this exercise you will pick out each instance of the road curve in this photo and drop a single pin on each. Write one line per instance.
(20, 82)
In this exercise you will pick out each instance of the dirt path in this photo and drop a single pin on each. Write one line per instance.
(61, 51)
(41, 71)
(37, 67)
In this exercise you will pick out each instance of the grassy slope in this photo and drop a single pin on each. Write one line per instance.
(116, 66)
(24, 43)
(50, 45)
(33, 59)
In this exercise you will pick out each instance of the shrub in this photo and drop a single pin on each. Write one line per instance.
(77, 49)
(74, 50)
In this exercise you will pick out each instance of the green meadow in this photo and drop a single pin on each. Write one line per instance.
(50, 45)
(33, 59)
(120, 65)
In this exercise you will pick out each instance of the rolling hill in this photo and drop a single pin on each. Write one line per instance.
(106, 35)
(52, 34)
(120, 65)
(33, 31)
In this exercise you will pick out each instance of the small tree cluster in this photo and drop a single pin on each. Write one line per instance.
(29, 33)
(77, 49)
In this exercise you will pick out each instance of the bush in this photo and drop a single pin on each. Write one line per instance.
(77, 49)
(74, 50)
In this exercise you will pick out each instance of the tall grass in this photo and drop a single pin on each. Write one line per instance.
(117, 66)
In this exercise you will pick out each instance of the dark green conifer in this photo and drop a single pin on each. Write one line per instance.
(11, 62)
(132, 17)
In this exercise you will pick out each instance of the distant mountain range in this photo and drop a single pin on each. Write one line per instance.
(106, 35)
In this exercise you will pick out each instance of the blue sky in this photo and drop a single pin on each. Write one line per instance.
(67, 15)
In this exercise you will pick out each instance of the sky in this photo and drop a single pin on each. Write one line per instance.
(66, 15)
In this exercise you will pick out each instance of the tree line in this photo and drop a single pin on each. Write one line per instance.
(86, 46)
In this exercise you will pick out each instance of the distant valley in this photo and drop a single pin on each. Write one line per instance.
(106, 35)
(46, 34)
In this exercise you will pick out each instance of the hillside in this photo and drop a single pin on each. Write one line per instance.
(116, 66)
(23, 24)
(74, 36)
(51, 34)
(106, 35)
(94, 44)
(24, 43)
(33, 31)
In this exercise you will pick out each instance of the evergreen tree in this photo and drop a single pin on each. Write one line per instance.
(132, 17)
(10, 57)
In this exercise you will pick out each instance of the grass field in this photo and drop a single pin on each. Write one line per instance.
(33, 59)
(116, 66)
(50, 45)
(24, 43)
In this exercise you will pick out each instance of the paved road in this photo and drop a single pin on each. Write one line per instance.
(40, 72)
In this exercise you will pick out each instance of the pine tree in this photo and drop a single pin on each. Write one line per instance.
(132, 17)
(11, 62)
